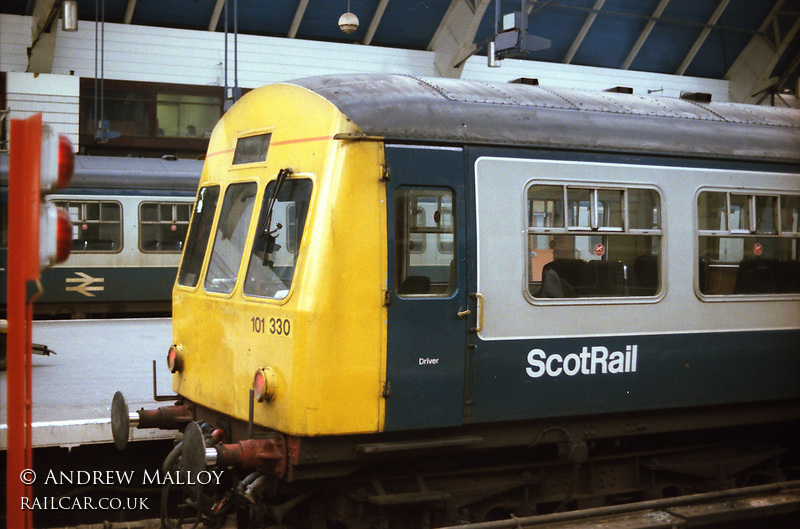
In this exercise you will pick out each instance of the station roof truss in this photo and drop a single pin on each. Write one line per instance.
(754, 44)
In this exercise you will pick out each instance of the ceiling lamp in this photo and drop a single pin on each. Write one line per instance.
(348, 22)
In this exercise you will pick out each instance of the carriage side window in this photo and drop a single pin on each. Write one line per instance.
(424, 242)
(96, 225)
(591, 242)
(277, 241)
(748, 243)
(231, 236)
(163, 226)
(199, 233)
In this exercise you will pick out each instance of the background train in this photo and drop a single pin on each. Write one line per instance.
(432, 301)
(130, 217)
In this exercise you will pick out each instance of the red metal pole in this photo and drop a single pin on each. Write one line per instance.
(23, 273)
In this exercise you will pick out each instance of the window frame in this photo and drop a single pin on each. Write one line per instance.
(752, 231)
(65, 203)
(146, 93)
(243, 155)
(414, 192)
(161, 222)
(217, 237)
(193, 257)
(293, 245)
(595, 228)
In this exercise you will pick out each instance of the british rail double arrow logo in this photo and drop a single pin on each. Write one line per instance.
(87, 285)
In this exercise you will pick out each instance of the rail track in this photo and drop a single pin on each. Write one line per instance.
(774, 506)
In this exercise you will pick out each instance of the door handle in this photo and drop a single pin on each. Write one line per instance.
(479, 309)
(462, 313)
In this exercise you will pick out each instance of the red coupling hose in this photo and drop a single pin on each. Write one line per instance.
(265, 455)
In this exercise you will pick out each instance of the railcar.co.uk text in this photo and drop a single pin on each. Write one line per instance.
(108, 478)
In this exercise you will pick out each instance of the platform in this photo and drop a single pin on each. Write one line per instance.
(72, 389)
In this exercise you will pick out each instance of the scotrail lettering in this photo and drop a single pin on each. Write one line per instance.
(593, 360)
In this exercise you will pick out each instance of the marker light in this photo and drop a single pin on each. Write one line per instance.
(66, 161)
(175, 358)
(55, 172)
(265, 381)
(58, 161)
(55, 235)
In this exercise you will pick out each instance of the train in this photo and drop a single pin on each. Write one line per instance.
(129, 218)
(414, 302)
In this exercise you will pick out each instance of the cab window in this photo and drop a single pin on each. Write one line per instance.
(748, 243)
(424, 242)
(593, 242)
(231, 236)
(277, 239)
(199, 232)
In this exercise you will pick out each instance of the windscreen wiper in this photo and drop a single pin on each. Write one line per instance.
(268, 234)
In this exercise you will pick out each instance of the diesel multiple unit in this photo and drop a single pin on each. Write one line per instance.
(415, 301)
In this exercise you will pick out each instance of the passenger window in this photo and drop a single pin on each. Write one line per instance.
(199, 233)
(96, 225)
(712, 211)
(748, 243)
(277, 240)
(610, 245)
(163, 226)
(790, 213)
(230, 239)
(424, 242)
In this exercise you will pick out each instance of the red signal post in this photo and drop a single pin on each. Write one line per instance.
(38, 163)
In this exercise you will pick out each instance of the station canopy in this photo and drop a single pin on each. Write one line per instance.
(750, 42)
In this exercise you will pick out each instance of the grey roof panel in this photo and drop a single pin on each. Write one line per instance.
(449, 110)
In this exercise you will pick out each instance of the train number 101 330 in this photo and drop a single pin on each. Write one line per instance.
(276, 326)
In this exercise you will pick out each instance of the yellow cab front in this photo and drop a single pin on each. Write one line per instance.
(281, 287)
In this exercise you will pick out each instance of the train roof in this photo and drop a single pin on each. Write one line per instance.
(516, 114)
(115, 172)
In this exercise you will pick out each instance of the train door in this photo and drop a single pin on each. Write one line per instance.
(427, 295)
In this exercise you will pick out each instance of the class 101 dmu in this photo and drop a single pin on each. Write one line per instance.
(405, 302)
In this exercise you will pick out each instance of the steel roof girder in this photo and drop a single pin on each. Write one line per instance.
(43, 36)
(751, 74)
(376, 20)
(214, 22)
(587, 24)
(453, 42)
(298, 17)
(712, 21)
(129, 12)
(659, 10)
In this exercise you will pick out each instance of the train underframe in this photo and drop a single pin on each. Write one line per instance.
(475, 474)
